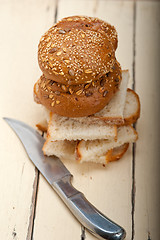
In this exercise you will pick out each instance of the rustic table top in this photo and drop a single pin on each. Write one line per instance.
(126, 191)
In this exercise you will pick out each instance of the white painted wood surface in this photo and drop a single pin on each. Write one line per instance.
(21, 25)
(108, 188)
(147, 167)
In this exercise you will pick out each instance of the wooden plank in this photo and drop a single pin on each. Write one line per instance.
(21, 27)
(108, 188)
(147, 167)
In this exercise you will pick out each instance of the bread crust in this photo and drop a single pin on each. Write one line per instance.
(78, 100)
(79, 54)
(134, 117)
(45, 144)
(116, 153)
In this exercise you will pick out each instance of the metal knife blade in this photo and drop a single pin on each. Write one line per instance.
(59, 178)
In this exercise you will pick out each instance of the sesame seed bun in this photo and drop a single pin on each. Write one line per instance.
(78, 100)
(76, 54)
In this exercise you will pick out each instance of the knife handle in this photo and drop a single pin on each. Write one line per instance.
(90, 217)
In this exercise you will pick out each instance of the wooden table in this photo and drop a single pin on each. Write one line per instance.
(126, 191)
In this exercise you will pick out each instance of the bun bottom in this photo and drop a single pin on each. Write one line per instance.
(78, 100)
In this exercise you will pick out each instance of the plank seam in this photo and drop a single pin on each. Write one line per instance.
(33, 206)
(35, 203)
(133, 191)
(83, 233)
(56, 11)
(134, 44)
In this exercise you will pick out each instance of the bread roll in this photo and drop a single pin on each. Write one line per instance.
(75, 57)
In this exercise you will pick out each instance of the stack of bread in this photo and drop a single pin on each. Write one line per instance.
(88, 108)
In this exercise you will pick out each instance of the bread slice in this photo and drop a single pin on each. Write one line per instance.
(62, 149)
(112, 154)
(89, 151)
(63, 128)
(131, 108)
(65, 150)
(112, 113)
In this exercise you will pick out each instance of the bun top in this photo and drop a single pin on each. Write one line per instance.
(77, 50)
(90, 23)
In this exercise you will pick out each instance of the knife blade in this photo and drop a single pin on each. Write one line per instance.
(59, 178)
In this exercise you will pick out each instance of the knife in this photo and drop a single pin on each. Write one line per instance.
(59, 178)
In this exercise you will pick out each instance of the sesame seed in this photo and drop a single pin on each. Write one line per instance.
(62, 31)
(55, 72)
(105, 93)
(71, 72)
(88, 71)
(71, 91)
(89, 81)
(101, 90)
(49, 44)
(53, 50)
(43, 85)
(62, 73)
(79, 91)
(51, 65)
(51, 96)
(57, 93)
(48, 39)
(67, 61)
(52, 104)
(64, 88)
(87, 86)
(59, 53)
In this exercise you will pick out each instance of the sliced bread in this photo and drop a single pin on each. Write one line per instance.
(66, 150)
(111, 155)
(63, 128)
(88, 151)
(62, 149)
(132, 107)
